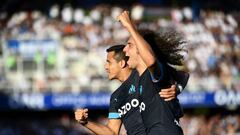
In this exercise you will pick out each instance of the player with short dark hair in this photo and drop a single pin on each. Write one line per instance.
(124, 102)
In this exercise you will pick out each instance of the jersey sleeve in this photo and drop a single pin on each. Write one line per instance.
(113, 112)
(160, 73)
(165, 74)
(181, 78)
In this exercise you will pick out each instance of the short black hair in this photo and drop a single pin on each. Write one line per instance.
(119, 54)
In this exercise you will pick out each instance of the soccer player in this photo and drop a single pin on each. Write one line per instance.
(124, 103)
(151, 55)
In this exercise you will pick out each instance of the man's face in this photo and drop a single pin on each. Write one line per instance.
(112, 67)
(132, 52)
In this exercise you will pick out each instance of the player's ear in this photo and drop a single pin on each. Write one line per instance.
(123, 63)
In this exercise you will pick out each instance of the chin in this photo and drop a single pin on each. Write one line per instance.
(132, 66)
(109, 78)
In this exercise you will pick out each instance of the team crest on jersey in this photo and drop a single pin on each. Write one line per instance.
(131, 89)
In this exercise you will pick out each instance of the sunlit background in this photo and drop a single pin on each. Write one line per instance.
(52, 56)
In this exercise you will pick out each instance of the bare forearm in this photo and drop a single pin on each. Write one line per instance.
(144, 48)
(99, 129)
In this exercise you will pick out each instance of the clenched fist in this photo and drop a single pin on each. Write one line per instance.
(81, 115)
(125, 19)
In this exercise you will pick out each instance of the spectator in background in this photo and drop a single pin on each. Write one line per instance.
(215, 34)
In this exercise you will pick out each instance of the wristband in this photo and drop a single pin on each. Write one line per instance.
(83, 122)
(179, 88)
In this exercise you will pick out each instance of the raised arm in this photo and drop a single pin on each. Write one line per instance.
(143, 47)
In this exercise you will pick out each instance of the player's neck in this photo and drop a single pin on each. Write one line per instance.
(125, 73)
(141, 67)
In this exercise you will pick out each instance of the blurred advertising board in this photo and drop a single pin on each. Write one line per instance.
(29, 48)
(40, 101)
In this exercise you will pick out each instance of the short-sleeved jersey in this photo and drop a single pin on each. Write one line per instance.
(158, 114)
(124, 105)
(181, 78)
(171, 76)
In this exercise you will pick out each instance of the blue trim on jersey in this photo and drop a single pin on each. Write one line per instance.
(113, 115)
(162, 73)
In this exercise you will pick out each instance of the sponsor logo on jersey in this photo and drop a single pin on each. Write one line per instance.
(129, 105)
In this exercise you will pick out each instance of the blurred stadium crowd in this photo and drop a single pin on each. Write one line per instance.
(76, 62)
(192, 125)
(64, 51)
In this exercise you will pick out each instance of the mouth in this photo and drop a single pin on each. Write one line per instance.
(128, 62)
(107, 71)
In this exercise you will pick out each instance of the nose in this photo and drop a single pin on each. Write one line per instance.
(106, 67)
(125, 49)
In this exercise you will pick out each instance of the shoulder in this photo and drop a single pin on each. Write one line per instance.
(119, 91)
